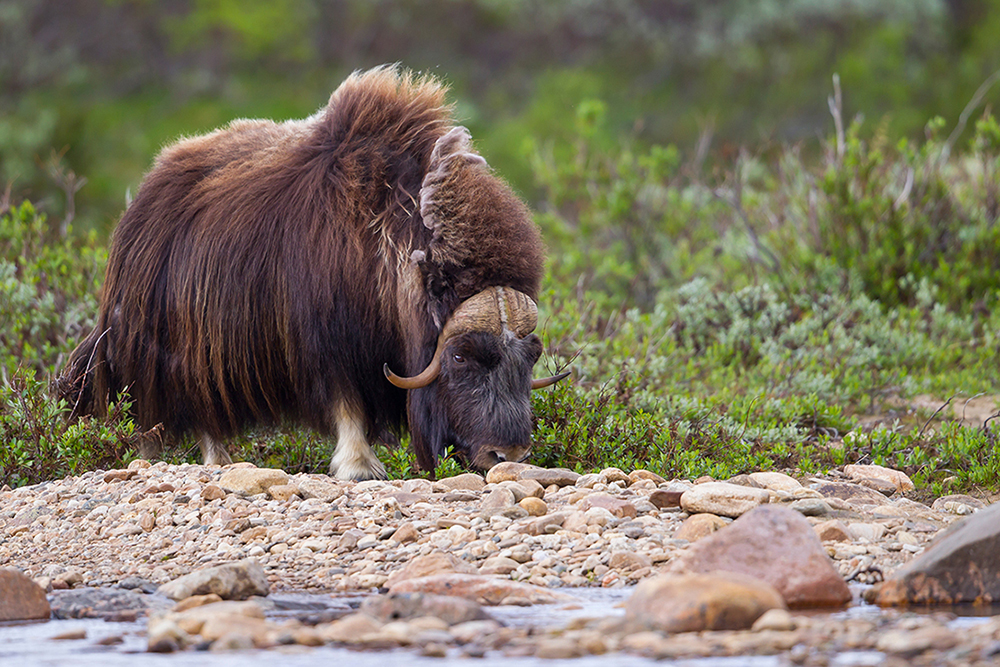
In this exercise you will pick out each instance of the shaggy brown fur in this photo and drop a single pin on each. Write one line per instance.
(267, 271)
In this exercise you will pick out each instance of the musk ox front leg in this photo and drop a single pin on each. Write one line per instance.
(213, 452)
(353, 458)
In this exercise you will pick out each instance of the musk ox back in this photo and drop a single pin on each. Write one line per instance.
(283, 271)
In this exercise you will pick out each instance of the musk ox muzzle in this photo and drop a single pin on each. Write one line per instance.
(482, 368)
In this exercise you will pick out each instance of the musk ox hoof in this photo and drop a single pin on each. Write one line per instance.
(358, 469)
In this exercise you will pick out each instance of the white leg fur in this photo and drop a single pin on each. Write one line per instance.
(213, 453)
(353, 458)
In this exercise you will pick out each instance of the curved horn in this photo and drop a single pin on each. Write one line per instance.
(539, 383)
(493, 310)
(423, 379)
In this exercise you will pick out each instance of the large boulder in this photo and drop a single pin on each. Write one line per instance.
(21, 599)
(961, 565)
(775, 544)
(232, 581)
(695, 602)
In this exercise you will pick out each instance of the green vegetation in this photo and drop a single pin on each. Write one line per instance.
(771, 315)
(724, 309)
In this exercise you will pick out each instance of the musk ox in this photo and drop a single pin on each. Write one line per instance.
(282, 271)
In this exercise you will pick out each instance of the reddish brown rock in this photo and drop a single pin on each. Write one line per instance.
(961, 565)
(669, 496)
(21, 599)
(696, 602)
(832, 531)
(482, 589)
(618, 507)
(775, 544)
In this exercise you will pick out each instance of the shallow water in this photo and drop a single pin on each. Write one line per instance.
(31, 644)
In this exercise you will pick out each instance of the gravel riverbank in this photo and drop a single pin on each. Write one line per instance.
(150, 524)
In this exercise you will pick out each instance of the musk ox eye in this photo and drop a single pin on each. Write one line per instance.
(459, 359)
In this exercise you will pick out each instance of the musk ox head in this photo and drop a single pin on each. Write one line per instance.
(477, 386)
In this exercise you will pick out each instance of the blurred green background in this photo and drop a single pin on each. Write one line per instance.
(743, 274)
(95, 88)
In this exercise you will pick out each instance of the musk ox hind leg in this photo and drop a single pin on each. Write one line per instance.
(213, 452)
(353, 458)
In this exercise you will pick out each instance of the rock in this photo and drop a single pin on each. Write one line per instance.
(534, 506)
(232, 581)
(349, 629)
(520, 492)
(282, 492)
(315, 488)
(885, 487)
(775, 481)
(251, 481)
(853, 494)
(496, 501)
(436, 562)
(195, 601)
(483, 589)
(406, 533)
(832, 531)
(669, 496)
(165, 636)
(405, 606)
(550, 476)
(696, 602)
(723, 499)
(498, 565)
(698, 526)
(869, 532)
(70, 635)
(193, 620)
(778, 620)
(951, 502)
(961, 565)
(777, 545)
(618, 507)
(508, 471)
(628, 561)
(811, 507)
(104, 603)
(896, 477)
(466, 481)
(637, 475)
(21, 599)
(558, 648)
(212, 492)
(912, 642)
(612, 475)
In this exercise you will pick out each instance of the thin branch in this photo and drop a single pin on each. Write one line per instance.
(835, 102)
(926, 423)
(963, 118)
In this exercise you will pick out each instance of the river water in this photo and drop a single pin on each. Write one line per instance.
(31, 644)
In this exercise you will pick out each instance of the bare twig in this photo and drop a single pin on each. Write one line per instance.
(835, 102)
(86, 372)
(926, 423)
(969, 401)
(963, 118)
(70, 183)
(907, 188)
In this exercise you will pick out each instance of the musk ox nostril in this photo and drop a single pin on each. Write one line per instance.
(501, 457)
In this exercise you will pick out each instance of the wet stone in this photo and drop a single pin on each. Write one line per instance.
(104, 603)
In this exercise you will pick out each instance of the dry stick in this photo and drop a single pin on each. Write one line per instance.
(89, 368)
(982, 393)
(919, 435)
(966, 112)
(835, 102)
